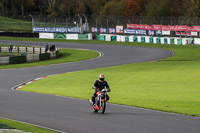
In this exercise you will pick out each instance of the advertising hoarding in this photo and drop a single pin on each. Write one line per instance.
(141, 32)
(112, 30)
(94, 29)
(57, 29)
(119, 29)
(102, 30)
(130, 31)
(151, 32)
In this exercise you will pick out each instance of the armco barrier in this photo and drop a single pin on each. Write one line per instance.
(27, 57)
(4, 60)
(17, 59)
(32, 57)
(22, 59)
(44, 56)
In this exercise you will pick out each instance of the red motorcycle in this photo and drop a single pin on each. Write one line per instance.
(100, 101)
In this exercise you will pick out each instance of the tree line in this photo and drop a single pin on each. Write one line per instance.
(22, 9)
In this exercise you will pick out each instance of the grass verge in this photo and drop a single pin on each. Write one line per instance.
(10, 125)
(170, 85)
(67, 55)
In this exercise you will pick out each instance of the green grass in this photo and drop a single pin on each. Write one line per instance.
(67, 55)
(8, 124)
(10, 19)
(10, 25)
(9, 54)
(170, 84)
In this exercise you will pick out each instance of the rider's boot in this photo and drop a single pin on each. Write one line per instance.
(90, 101)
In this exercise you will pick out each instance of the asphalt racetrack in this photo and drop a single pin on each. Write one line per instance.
(75, 116)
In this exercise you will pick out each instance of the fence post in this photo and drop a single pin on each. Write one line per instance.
(107, 26)
(40, 50)
(0, 49)
(96, 23)
(33, 50)
(18, 49)
(66, 22)
(26, 49)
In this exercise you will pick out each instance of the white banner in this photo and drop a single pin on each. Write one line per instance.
(165, 32)
(194, 33)
(46, 35)
(72, 36)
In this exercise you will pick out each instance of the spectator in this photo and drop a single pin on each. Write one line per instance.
(53, 47)
(50, 48)
(10, 49)
(46, 47)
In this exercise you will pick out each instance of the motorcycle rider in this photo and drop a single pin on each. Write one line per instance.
(98, 86)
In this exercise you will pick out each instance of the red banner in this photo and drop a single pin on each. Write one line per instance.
(147, 27)
(164, 27)
(182, 28)
(190, 29)
(156, 27)
(131, 26)
(173, 28)
(196, 28)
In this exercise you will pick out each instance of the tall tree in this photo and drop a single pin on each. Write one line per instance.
(80, 7)
(132, 7)
(112, 8)
(53, 8)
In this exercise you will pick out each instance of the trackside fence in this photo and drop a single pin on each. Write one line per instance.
(28, 54)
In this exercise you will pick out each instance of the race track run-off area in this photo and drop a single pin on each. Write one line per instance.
(71, 115)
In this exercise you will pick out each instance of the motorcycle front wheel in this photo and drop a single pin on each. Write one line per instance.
(103, 106)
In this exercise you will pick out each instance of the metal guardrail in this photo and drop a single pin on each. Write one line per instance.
(31, 50)
(29, 54)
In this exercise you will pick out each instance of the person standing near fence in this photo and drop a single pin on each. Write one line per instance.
(46, 47)
(10, 49)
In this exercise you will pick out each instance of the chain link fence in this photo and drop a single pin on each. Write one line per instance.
(101, 21)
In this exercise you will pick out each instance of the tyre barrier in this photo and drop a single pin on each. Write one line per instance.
(32, 55)
(148, 39)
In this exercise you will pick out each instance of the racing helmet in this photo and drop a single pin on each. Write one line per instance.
(101, 77)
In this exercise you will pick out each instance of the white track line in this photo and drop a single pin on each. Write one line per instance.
(35, 125)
